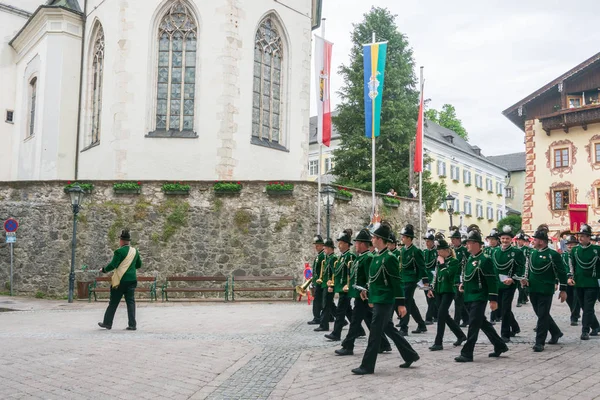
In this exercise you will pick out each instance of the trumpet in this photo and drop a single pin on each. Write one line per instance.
(320, 280)
(301, 289)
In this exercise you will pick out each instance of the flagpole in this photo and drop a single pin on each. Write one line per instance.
(373, 158)
(421, 173)
(320, 155)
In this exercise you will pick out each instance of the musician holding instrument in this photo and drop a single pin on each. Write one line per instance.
(462, 255)
(317, 305)
(326, 283)
(523, 245)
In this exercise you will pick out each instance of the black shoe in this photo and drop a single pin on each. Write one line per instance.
(538, 348)
(594, 332)
(420, 329)
(554, 339)
(519, 305)
(460, 341)
(464, 325)
(407, 364)
(505, 339)
(515, 333)
(435, 320)
(574, 322)
(332, 319)
(314, 322)
(403, 333)
(360, 371)
(321, 329)
(463, 359)
(385, 350)
(428, 322)
(331, 336)
(344, 352)
(585, 336)
(103, 325)
(131, 328)
(436, 347)
(497, 352)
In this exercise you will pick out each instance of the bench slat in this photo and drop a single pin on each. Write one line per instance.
(193, 290)
(197, 278)
(266, 289)
(262, 278)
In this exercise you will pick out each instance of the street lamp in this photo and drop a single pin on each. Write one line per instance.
(450, 206)
(328, 196)
(76, 194)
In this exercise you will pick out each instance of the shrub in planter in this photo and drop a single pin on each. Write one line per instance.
(127, 187)
(175, 188)
(87, 187)
(343, 194)
(227, 187)
(279, 188)
(391, 201)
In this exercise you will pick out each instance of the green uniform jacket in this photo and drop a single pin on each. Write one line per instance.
(445, 276)
(430, 257)
(130, 275)
(480, 281)
(509, 262)
(566, 257)
(341, 272)
(397, 253)
(586, 264)
(328, 268)
(462, 255)
(488, 251)
(413, 265)
(316, 266)
(359, 273)
(545, 267)
(385, 285)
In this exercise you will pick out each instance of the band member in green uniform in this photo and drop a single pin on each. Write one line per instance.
(462, 255)
(326, 281)
(494, 244)
(443, 289)
(430, 256)
(571, 241)
(413, 269)
(392, 246)
(317, 305)
(586, 273)
(480, 284)
(523, 245)
(543, 267)
(341, 284)
(359, 276)
(510, 262)
(384, 288)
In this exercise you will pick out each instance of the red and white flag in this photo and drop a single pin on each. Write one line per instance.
(323, 72)
(419, 139)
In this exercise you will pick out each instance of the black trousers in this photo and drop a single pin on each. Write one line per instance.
(343, 307)
(328, 309)
(317, 305)
(411, 308)
(573, 303)
(460, 311)
(509, 322)
(361, 312)
(587, 298)
(497, 313)
(126, 289)
(432, 307)
(541, 304)
(443, 304)
(477, 322)
(523, 292)
(381, 323)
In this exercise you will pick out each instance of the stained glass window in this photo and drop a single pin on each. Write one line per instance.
(177, 40)
(32, 97)
(266, 101)
(97, 79)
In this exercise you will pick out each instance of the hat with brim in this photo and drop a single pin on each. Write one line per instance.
(344, 237)
(329, 243)
(585, 230)
(125, 235)
(493, 234)
(429, 236)
(474, 236)
(363, 236)
(541, 235)
(408, 231)
(455, 234)
(506, 231)
(393, 238)
(441, 244)
(571, 239)
(318, 239)
(383, 232)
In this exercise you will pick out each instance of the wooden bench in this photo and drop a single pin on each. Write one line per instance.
(225, 288)
(93, 288)
(237, 279)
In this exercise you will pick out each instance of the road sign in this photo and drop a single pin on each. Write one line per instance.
(11, 237)
(11, 225)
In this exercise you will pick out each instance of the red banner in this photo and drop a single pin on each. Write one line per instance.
(578, 214)
(419, 139)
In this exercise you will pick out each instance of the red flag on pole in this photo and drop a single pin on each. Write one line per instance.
(419, 139)
(323, 50)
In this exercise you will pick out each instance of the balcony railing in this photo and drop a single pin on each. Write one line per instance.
(564, 119)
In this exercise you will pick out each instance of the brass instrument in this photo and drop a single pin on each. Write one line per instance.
(347, 286)
(301, 289)
(320, 280)
(331, 281)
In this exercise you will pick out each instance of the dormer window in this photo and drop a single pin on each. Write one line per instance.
(449, 138)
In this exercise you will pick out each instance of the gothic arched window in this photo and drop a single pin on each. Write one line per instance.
(97, 80)
(32, 101)
(177, 38)
(266, 101)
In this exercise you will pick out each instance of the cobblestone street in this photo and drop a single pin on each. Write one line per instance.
(250, 350)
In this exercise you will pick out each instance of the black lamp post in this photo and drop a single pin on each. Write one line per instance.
(76, 194)
(328, 196)
(450, 206)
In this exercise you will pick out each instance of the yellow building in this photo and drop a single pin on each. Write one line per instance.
(561, 122)
(327, 161)
(476, 183)
(514, 190)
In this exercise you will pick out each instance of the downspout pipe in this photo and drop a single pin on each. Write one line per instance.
(85, 5)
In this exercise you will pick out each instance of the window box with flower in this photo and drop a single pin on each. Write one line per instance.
(127, 188)
(175, 188)
(227, 188)
(86, 187)
(468, 215)
(343, 194)
(279, 189)
(490, 192)
(390, 201)
(468, 185)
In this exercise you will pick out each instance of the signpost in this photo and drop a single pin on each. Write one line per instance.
(10, 226)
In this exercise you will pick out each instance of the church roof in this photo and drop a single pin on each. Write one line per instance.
(70, 4)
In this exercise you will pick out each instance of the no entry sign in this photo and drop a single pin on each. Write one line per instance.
(11, 225)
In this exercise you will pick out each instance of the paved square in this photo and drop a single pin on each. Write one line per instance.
(259, 350)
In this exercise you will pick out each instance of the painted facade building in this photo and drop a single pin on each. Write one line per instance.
(154, 89)
(561, 123)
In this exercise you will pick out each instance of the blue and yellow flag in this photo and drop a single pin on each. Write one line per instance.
(374, 61)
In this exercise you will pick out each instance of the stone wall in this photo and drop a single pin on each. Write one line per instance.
(251, 233)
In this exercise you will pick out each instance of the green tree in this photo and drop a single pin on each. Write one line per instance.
(398, 115)
(448, 119)
(513, 220)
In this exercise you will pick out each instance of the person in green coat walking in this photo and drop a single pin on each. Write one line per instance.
(325, 280)
(543, 267)
(384, 289)
(494, 244)
(125, 263)
(430, 256)
(443, 289)
(523, 245)
(586, 275)
(480, 285)
(462, 255)
(317, 304)
(571, 241)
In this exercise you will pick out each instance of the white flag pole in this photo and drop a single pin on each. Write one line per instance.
(373, 162)
(421, 173)
(320, 153)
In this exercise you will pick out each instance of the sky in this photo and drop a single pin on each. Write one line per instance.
(480, 56)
